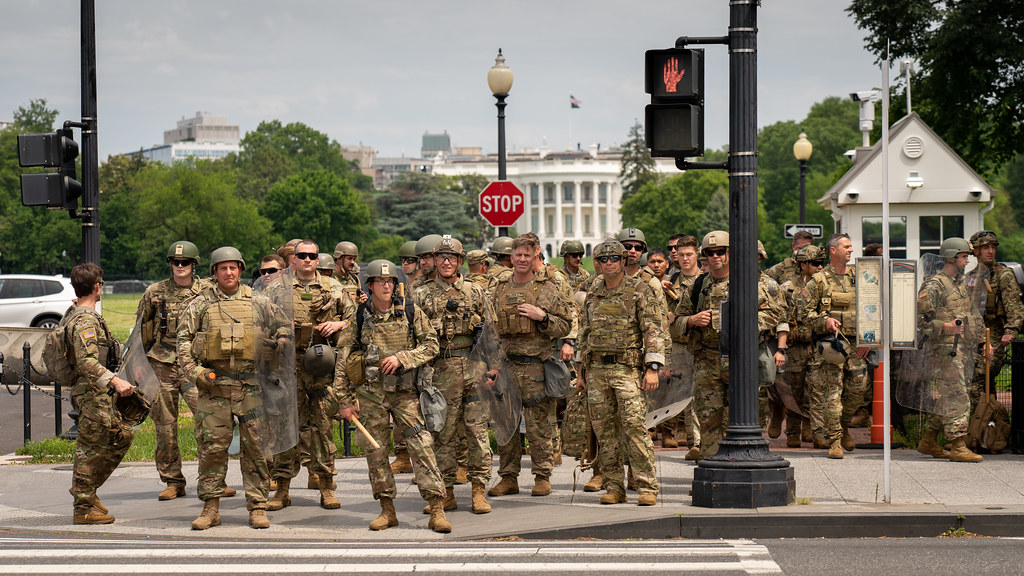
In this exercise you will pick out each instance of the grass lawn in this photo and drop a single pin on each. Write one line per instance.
(119, 312)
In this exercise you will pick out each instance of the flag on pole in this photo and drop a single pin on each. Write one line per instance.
(574, 102)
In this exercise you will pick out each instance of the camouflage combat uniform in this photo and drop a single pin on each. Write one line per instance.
(313, 303)
(479, 278)
(235, 394)
(349, 283)
(103, 439)
(785, 271)
(942, 299)
(1004, 312)
(836, 391)
(799, 353)
(771, 319)
(681, 368)
(621, 331)
(383, 398)
(159, 310)
(452, 376)
(577, 279)
(527, 343)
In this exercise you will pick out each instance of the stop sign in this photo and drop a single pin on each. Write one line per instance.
(501, 203)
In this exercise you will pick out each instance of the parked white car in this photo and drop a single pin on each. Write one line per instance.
(29, 300)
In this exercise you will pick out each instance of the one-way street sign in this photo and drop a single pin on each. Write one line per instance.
(815, 229)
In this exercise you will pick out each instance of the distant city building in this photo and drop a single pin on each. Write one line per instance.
(434, 144)
(387, 169)
(569, 195)
(365, 156)
(204, 136)
(5, 124)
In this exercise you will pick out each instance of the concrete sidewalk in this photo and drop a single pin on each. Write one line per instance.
(836, 498)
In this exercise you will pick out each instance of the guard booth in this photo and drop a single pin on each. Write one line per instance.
(933, 193)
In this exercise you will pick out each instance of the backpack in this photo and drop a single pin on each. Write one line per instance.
(56, 351)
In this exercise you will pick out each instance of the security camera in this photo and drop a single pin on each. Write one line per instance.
(852, 196)
(864, 96)
(975, 193)
(850, 155)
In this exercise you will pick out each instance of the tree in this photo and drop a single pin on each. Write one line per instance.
(319, 205)
(674, 207)
(970, 88)
(417, 204)
(638, 167)
(716, 213)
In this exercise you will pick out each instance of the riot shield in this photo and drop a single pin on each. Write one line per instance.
(675, 391)
(489, 368)
(135, 367)
(274, 343)
(940, 362)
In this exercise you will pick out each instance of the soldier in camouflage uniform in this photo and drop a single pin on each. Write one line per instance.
(945, 315)
(681, 364)
(698, 321)
(774, 332)
(322, 315)
(572, 254)
(1000, 304)
(799, 352)
(827, 304)
(395, 339)
(478, 262)
(345, 256)
(789, 268)
(531, 314)
(228, 388)
(454, 307)
(623, 337)
(103, 439)
(158, 310)
(410, 264)
(635, 242)
(501, 251)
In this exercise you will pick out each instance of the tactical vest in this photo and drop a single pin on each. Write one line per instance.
(712, 294)
(162, 328)
(837, 303)
(614, 326)
(454, 327)
(575, 280)
(993, 303)
(385, 339)
(954, 303)
(230, 331)
(308, 303)
(508, 297)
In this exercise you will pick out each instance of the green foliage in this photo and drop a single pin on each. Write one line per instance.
(638, 168)
(417, 204)
(316, 204)
(675, 206)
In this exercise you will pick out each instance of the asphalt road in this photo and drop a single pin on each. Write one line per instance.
(12, 421)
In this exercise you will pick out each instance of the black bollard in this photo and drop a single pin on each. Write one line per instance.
(26, 366)
(58, 427)
(346, 435)
(1017, 396)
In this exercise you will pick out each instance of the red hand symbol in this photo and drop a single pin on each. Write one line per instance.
(672, 74)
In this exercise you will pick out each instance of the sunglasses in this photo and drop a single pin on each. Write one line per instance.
(307, 255)
(607, 259)
(181, 263)
(266, 271)
(446, 257)
(410, 260)
(574, 255)
(716, 252)
(671, 248)
(816, 262)
(634, 247)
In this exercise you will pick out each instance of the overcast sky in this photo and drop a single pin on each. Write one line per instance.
(384, 72)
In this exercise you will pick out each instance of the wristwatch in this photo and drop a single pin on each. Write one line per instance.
(654, 366)
(570, 342)
(783, 349)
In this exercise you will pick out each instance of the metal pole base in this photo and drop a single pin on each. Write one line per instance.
(743, 474)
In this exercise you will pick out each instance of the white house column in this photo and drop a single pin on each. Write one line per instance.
(558, 212)
(541, 225)
(577, 201)
(595, 223)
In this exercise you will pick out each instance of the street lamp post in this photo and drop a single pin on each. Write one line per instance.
(499, 79)
(802, 151)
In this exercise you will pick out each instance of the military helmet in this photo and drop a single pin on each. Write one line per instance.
(346, 249)
(609, 248)
(571, 247)
(579, 298)
(950, 247)
(183, 249)
(325, 262)
(319, 359)
(381, 269)
(634, 234)
(134, 408)
(226, 254)
(449, 245)
(425, 245)
(502, 246)
(761, 253)
(984, 237)
(408, 250)
(477, 257)
(715, 239)
(809, 253)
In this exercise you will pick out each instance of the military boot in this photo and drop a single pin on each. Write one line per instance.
(614, 495)
(209, 517)
(438, 522)
(171, 492)
(93, 516)
(692, 454)
(806, 434)
(449, 501)
(387, 517)
(281, 499)
(836, 450)
(402, 463)
(327, 498)
(820, 442)
(792, 440)
(848, 443)
(775, 420)
(508, 485)
(929, 445)
(959, 452)
(229, 491)
(647, 499)
(99, 505)
(541, 487)
(313, 483)
(258, 519)
(594, 484)
(480, 505)
(461, 475)
(669, 441)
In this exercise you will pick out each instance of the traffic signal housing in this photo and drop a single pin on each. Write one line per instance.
(58, 189)
(674, 119)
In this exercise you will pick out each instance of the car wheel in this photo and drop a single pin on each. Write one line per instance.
(48, 322)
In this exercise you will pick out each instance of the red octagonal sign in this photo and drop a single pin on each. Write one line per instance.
(501, 203)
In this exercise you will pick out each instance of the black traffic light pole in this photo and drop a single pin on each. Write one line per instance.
(90, 152)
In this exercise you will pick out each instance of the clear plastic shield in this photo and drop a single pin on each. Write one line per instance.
(135, 367)
(943, 362)
(490, 370)
(675, 391)
(275, 360)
